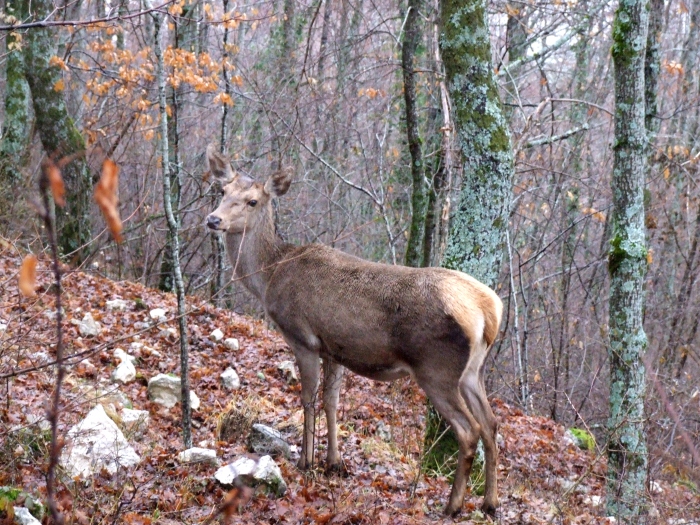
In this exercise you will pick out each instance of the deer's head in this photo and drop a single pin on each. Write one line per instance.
(244, 203)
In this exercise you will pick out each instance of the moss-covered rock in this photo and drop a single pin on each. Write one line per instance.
(582, 438)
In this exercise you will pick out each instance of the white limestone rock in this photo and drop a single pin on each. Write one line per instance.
(124, 373)
(158, 314)
(123, 356)
(230, 379)
(266, 440)
(194, 401)
(164, 389)
(232, 344)
(117, 305)
(96, 443)
(289, 372)
(217, 335)
(24, 517)
(198, 455)
(135, 421)
(263, 471)
(88, 327)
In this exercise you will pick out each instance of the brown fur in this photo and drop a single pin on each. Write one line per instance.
(380, 321)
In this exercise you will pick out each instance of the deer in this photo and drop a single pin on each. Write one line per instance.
(380, 321)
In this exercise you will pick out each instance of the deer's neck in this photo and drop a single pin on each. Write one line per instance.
(254, 255)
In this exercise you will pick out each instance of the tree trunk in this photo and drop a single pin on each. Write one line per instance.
(16, 126)
(479, 225)
(59, 135)
(478, 231)
(627, 263)
(174, 233)
(419, 200)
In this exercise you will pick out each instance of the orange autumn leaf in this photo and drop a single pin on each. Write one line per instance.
(27, 276)
(53, 174)
(106, 197)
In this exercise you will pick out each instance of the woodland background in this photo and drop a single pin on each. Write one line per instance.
(318, 86)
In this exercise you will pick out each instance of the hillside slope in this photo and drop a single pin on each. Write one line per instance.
(543, 478)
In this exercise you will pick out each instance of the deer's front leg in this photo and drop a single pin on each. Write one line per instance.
(309, 370)
(332, 380)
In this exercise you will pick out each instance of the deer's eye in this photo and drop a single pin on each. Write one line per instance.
(252, 203)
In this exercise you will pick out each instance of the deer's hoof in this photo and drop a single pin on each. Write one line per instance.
(489, 508)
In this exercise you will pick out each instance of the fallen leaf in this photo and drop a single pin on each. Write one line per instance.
(106, 197)
(27, 276)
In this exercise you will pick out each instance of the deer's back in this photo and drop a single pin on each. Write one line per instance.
(369, 316)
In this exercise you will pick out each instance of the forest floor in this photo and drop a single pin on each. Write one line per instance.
(543, 478)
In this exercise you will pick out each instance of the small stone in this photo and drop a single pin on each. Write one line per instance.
(40, 421)
(168, 333)
(117, 305)
(593, 501)
(266, 440)
(140, 325)
(88, 327)
(123, 356)
(261, 376)
(51, 314)
(289, 372)
(264, 471)
(655, 488)
(3, 327)
(230, 379)
(24, 517)
(158, 314)
(124, 373)
(135, 346)
(194, 401)
(383, 431)
(198, 455)
(164, 390)
(135, 421)
(232, 344)
(217, 335)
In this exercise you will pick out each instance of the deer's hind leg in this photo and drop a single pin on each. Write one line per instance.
(448, 401)
(474, 392)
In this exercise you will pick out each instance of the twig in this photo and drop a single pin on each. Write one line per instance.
(53, 411)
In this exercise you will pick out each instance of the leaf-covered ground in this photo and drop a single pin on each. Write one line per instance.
(543, 479)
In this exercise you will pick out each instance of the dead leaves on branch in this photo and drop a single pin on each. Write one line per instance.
(27, 276)
(105, 192)
(106, 197)
(52, 178)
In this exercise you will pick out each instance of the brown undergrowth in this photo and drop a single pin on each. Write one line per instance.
(542, 478)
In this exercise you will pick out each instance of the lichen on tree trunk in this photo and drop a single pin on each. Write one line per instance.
(477, 234)
(16, 125)
(627, 263)
(59, 135)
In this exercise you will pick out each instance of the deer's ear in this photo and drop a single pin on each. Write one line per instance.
(278, 183)
(219, 166)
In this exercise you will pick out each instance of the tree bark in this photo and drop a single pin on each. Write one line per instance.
(419, 199)
(16, 126)
(627, 264)
(477, 235)
(174, 233)
(59, 135)
(478, 230)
